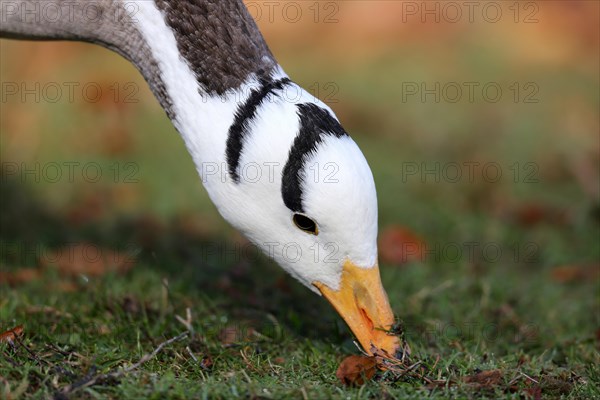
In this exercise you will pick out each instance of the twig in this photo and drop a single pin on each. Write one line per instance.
(400, 368)
(117, 374)
(437, 359)
(191, 354)
(187, 322)
(528, 377)
(58, 350)
(57, 368)
(34, 356)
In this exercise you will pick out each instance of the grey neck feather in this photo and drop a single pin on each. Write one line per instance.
(218, 38)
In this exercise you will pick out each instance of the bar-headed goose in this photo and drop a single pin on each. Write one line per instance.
(254, 135)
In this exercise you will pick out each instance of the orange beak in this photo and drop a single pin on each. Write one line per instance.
(363, 303)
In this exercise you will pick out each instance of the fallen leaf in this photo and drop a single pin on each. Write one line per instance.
(532, 214)
(19, 276)
(398, 245)
(534, 392)
(87, 259)
(10, 335)
(356, 370)
(206, 362)
(90, 207)
(575, 273)
(485, 378)
(65, 287)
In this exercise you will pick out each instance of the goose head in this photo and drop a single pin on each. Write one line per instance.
(300, 189)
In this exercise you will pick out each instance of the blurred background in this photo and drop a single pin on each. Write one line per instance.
(481, 125)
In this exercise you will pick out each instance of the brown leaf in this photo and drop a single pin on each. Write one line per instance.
(532, 214)
(19, 276)
(207, 362)
(65, 286)
(10, 335)
(534, 392)
(485, 378)
(398, 245)
(575, 273)
(89, 207)
(25, 275)
(88, 259)
(356, 370)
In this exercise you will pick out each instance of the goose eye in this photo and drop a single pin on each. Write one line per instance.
(306, 224)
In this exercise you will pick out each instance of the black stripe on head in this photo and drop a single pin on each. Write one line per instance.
(315, 122)
(244, 115)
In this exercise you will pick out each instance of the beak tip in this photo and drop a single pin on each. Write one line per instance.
(362, 302)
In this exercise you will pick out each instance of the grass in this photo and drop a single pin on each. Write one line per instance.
(263, 336)
(520, 324)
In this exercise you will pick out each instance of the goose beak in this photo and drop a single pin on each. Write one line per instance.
(363, 303)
